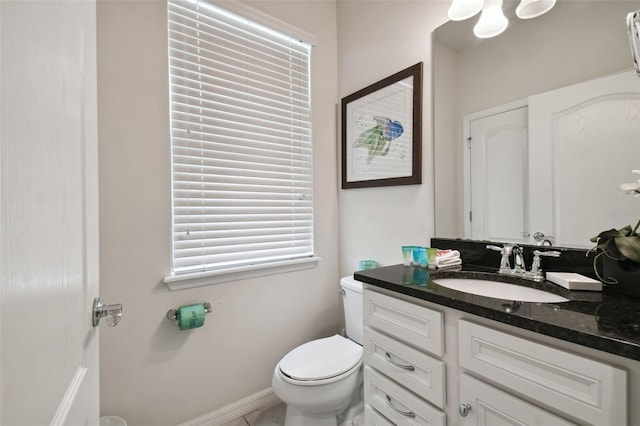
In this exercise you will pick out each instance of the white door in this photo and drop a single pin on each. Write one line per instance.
(498, 176)
(584, 141)
(49, 215)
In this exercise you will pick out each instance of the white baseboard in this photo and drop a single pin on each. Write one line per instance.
(264, 398)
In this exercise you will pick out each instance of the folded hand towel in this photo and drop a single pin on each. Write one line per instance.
(451, 267)
(447, 254)
(446, 258)
(443, 263)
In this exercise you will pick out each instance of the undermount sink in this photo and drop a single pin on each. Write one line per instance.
(499, 290)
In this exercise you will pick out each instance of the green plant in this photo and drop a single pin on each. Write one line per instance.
(619, 244)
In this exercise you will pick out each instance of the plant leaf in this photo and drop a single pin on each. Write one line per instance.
(605, 243)
(626, 231)
(629, 247)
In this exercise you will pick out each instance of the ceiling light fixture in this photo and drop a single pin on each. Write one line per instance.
(528, 9)
(464, 9)
(492, 21)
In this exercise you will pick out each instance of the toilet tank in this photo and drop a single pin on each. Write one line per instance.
(352, 302)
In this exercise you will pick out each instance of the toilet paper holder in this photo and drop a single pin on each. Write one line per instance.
(172, 313)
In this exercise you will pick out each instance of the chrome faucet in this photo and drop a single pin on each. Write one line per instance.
(519, 268)
(518, 261)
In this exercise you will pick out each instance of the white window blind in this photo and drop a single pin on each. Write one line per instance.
(241, 141)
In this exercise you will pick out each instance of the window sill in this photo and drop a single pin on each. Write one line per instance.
(201, 279)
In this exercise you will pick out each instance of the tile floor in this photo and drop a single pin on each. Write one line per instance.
(274, 416)
(267, 416)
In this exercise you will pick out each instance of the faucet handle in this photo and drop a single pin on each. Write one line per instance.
(536, 271)
(550, 253)
(505, 251)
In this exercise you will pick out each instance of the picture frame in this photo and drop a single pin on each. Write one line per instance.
(381, 132)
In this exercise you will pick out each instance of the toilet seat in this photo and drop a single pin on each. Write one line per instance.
(321, 360)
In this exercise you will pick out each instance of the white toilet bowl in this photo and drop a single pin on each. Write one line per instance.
(319, 380)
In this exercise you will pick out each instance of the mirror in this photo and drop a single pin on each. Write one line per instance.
(577, 41)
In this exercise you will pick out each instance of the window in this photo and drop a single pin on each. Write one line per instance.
(241, 146)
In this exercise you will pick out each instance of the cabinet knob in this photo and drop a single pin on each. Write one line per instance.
(464, 409)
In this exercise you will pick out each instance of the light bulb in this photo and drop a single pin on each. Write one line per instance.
(492, 21)
(528, 9)
(464, 9)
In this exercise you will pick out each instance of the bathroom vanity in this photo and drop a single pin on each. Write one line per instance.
(438, 356)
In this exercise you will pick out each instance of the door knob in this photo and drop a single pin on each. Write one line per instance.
(464, 409)
(112, 312)
(543, 240)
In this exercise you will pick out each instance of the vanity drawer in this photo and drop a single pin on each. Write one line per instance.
(414, 324)
(398, 404)
(416, 370)
(373, 418)
(591, 391)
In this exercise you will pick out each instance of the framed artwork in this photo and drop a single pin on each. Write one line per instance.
(382, 132)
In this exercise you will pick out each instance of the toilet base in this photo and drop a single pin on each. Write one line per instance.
(297, 417)
(353, 415)
(356, 421)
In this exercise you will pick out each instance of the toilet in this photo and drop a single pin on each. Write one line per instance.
(321, 381)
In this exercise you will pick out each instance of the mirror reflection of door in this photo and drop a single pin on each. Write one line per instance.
(584, 142)
(554, 167)
(498, 157)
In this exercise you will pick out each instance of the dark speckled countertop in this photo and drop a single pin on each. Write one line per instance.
(607, 322)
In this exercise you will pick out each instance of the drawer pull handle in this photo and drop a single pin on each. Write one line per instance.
(464, 409)
(404, 367)
(404, 413)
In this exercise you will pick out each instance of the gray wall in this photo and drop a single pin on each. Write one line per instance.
(377, 39)
(152, 373)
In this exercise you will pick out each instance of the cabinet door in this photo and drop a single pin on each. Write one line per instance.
(489, 406)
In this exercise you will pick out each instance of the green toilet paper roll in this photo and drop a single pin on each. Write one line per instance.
(190, 316)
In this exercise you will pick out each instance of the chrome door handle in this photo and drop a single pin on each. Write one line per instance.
(543, 240)
(404, 413)
(404, 367)
(464, 409)
(112, 312)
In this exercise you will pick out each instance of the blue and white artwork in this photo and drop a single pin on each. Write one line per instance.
(380, 136)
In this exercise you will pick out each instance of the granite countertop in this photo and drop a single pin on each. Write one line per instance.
(603, 321)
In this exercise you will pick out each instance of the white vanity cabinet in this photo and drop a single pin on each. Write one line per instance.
(591, 391)
(495, 374)
(404, 381)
